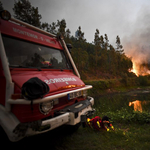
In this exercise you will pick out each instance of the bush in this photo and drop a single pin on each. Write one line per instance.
(125, 116)
(124, 79)
(143, 80)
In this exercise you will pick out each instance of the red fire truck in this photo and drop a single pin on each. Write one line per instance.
(27, 52)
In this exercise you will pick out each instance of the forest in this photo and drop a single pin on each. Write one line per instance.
(96, 60)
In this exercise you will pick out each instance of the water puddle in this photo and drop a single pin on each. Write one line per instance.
(137, 100)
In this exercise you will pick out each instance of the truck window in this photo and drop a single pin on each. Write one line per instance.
(25, 54)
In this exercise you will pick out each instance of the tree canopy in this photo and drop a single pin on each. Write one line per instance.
(27, 13)
(1, 6)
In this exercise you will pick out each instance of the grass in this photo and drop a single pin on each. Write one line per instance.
(132, 129)
(125, 137)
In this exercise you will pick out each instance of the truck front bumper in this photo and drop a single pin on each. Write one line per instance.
(70, 115)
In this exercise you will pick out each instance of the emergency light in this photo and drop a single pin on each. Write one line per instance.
(4, 14)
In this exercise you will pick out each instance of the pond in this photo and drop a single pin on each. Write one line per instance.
(124, 106)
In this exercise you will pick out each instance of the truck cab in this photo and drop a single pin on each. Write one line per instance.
(27, 52)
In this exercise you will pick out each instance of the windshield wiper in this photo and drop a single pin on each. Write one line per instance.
(47, 67)
(38, 68)
(18, 66)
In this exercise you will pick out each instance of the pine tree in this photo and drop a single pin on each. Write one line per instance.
(119, 47)
(80, 35)
(45, 26)
(27, 13)
(102, 42)
(92, 59)
(1, 6)
(67, 34)
(52, 28)
(97, 46)
(97, 38)
(49, 27)
(61, 27)
(106, 42)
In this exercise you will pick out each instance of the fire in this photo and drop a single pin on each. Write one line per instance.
(140, 61)
(140, 68)
(134, 69)
(137, 105)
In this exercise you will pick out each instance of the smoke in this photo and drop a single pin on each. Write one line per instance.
(137, 44)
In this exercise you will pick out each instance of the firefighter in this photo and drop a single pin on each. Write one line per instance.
(98, 123)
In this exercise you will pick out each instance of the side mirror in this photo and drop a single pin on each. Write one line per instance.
(69, 46)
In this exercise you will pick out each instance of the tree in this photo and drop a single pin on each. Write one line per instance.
(97, 47)
(68, 32)
(49, 27)
(106, 41)
(53, 28)
(45, 26)
(97, 38)
(80, 35)
(102, 42)
(94, 60)
(1, 6)
(27, 13)
(112, 61)
(118, 44)
(61, 27)
(80, 57)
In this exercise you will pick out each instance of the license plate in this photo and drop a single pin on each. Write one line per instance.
(75, 95)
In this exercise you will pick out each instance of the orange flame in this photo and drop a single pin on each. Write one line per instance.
(139, 69)
(134, 69)
(139, 59)
(137, 105)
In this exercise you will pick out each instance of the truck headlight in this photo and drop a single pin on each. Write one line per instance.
(85, 93)
(46, 107)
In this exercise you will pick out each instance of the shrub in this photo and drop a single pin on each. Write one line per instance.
(143, 80)
(125, 116)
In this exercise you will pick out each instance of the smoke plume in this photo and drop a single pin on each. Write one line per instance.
(137, 44)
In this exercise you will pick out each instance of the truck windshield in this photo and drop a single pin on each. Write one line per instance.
(23, 54)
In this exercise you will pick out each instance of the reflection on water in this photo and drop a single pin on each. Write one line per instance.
(137, 105)
(138, 100)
